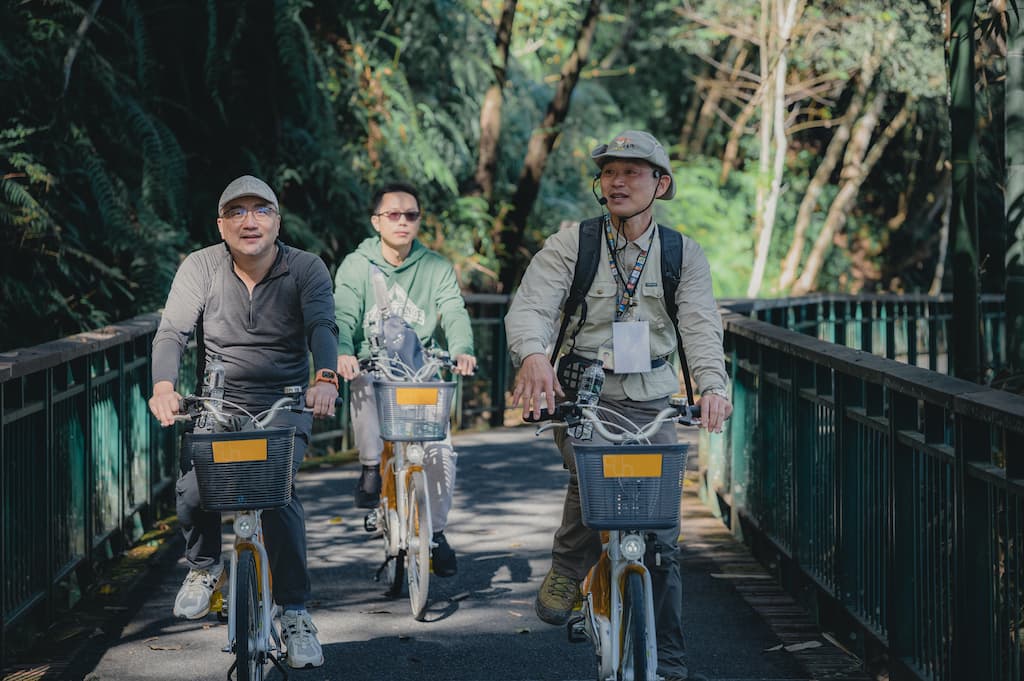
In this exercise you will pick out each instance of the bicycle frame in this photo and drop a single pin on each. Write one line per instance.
(603, 617)
(403, 515)
(603, 611)
(267, 641)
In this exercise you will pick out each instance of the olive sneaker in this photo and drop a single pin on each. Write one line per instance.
(556, 598)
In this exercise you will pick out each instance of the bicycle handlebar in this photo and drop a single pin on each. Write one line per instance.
(192, 406)
(395, 369)
(571, 414)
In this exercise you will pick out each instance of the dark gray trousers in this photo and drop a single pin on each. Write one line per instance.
(576, 547)
(284, 528)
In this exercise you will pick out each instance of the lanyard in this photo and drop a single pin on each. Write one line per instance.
(634, 276)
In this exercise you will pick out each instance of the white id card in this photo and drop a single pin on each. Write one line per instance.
(631, 342)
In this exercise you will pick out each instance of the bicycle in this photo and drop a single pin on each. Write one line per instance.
(628, 487)
(414, 407)
(244, 466)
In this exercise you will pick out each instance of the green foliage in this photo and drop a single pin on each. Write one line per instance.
(106, 184)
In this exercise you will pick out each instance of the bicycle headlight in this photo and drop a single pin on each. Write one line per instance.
(245, 525)
(414, 454)
(632, 547)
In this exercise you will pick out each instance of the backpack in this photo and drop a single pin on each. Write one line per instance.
(396, 337)
(588, 259)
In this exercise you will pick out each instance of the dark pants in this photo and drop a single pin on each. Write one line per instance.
(284, 528)
(576, 547)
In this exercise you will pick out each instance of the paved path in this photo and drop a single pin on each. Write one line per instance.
(481, 624)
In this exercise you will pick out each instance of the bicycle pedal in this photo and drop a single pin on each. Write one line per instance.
(576, 630)
(371, 521)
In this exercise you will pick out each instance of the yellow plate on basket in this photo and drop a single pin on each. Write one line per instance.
(417, 396)
(632, 465)
(233, 451)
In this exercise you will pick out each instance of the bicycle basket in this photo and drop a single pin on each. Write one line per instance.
(413, 412)
(625, 487)
(243, 470)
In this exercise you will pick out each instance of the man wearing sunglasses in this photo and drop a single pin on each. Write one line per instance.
(263, 307)
(421, 289)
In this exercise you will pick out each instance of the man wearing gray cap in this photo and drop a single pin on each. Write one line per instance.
(263, 307)
(624, 322)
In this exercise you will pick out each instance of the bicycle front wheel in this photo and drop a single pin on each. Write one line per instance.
(635, 665)
(248, 619)
(418, 554)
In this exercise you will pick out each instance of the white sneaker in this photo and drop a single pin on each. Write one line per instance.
(299, 636)
(193, 599)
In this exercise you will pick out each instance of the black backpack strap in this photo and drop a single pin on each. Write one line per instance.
(671, 266)
(588, 256)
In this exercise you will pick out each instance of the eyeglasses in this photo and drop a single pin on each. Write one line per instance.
(395, 215)
(259, 212)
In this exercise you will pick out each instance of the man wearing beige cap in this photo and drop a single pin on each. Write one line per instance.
(263, 307)
(624, 321)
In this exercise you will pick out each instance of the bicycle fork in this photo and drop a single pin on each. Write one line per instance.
(267, 630)
(603, 613)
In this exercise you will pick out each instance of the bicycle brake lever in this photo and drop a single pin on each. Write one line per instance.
(690, 415)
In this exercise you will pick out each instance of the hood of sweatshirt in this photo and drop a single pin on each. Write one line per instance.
(370, 249)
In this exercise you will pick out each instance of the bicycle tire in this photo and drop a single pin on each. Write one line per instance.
(248, 619)
(418, 554)
(634, 664)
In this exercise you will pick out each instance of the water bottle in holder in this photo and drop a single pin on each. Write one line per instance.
(213, 380)
(213, 387)
(591, 383)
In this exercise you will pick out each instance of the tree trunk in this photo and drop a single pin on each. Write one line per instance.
(824, 172)
(940, 264)
(732, 146)
(1014, 205)
(692, 108)
(773, 127)
(966, 356)
(541, 143)
(490, 112)
(715, 90)
(856, 169)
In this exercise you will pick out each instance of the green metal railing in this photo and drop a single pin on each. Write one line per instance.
(82, 465)
(890, 493)
(913, 329)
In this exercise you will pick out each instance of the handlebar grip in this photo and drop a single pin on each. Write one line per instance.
(545, 415)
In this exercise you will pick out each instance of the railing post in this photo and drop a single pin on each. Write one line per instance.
(904, 542)
(975, 643)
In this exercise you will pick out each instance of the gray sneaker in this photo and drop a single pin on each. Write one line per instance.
(193, 599)
(299, 636)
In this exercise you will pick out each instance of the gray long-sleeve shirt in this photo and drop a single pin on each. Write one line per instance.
(265, 338)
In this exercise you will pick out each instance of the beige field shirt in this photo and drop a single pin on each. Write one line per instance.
(532, 322)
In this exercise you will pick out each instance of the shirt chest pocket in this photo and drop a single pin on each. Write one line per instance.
(652, 302)
(601, 300)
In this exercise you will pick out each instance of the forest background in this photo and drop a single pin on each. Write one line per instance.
(810, 139)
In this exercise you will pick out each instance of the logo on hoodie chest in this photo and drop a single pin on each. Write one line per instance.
(399, 304)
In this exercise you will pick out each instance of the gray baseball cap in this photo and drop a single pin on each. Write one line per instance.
(247, 185)
(640, 145)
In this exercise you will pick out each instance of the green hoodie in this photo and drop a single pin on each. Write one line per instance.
(421, 289)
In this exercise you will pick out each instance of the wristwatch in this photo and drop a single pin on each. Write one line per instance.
(327, 376)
